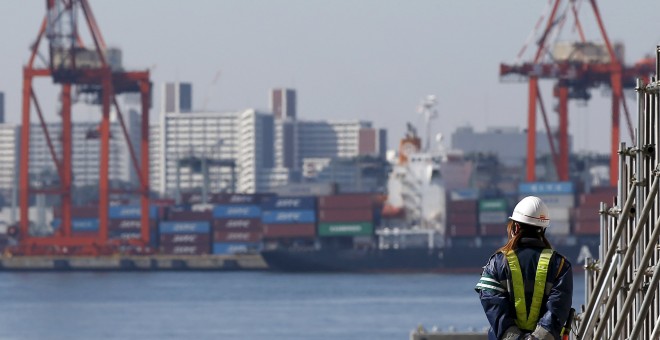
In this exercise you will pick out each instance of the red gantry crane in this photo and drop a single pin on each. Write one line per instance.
(577, 67)
(92, 71)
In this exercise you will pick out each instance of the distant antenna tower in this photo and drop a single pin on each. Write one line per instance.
(428, 108)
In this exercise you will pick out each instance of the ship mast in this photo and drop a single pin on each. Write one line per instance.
(428, 108)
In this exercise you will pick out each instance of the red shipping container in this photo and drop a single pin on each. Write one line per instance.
(585, 213)
(129, 224)
(237, 224)
(493, 229)
(462, 230)
(347, 201)
(167, 239)
(289, 230)
(587, 228)
(462, 206)
(177, 249)
(236, 236)
(346, 215)
(82, 211)
(462, 218)
(190, 215)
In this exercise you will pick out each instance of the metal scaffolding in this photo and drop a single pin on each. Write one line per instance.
(622, 293)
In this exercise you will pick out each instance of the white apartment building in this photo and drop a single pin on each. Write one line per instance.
(338, 139)
(9, 151)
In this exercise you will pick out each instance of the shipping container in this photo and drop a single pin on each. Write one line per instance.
(298, 203)
(469, 194)
(129, 225)
(587, 228)
(346, 215)
(462, 218)
(559, 214)
(241, 199)
(350, 201)
(229, 248)
(493, 229)
(556, 201)
(498, 204)
(124, 235)
(594, 199)
(462, 229)
(130, 211)
(84, 211)
(237, 224)
(187, 215)
(79, 224)
(236, 236)
(197, 227)
(236, 211)
(345, 229)
(546, 188)
(189, 238)
(492, 217)
(586, 213)
(462, 206)
(288, 216)
(558, 228)
(176, 249)
(289, 230)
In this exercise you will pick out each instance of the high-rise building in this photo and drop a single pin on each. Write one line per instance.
(338, 139)
(177, 97)
(86, 149)
(9, 157)
(255, 149)
(283, 103)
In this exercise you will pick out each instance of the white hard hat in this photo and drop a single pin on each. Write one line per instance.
(531, 210)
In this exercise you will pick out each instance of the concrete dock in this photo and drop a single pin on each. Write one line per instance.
(133, 263)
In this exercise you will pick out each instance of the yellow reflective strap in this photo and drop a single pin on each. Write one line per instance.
(518, 289)
(539, 287)
(523, 321)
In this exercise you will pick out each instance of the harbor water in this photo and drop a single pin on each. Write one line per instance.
(236, 305)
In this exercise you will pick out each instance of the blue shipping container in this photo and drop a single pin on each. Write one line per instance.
(130, 211)
(241, 211)
(79, 224)
(303, 203)
(227, 248)
(546, 188)
(288, 216)
(179, 227)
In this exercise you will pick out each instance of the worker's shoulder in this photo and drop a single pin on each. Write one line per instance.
(560, 258)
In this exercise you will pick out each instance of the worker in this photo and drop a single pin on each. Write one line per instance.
(526, 288)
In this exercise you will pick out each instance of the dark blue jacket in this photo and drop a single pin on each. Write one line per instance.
(497, 299)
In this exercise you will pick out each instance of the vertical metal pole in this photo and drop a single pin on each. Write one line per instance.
(531, 129)
(24, 174)
(104, 188)
(563, 132)
(66, 160)
(145, 92)
(616, 79)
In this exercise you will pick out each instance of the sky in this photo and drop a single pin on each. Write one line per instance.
(347, 59)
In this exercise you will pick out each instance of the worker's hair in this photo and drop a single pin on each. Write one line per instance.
(526, 230)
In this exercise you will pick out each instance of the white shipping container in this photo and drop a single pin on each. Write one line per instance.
(559, 214)
(556, 201)
(558, 228)
(493, 217)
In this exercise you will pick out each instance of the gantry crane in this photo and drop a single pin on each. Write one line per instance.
(94, 72)
(580, 67)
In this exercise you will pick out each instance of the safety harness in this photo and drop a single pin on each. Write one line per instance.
(523, 320)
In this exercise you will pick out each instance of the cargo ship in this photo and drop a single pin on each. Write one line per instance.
(427, 224)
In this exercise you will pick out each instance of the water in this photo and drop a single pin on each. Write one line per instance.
(240, 305)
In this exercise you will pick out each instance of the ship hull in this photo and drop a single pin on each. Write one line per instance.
(454, 260)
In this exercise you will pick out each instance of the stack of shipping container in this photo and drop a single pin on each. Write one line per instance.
(493, 216)
(462, 216)
(348, 218)
(288, 220)
(125, 223)
(587, 218)
(237, 226)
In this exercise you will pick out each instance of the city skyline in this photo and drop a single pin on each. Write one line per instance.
(373, 60)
